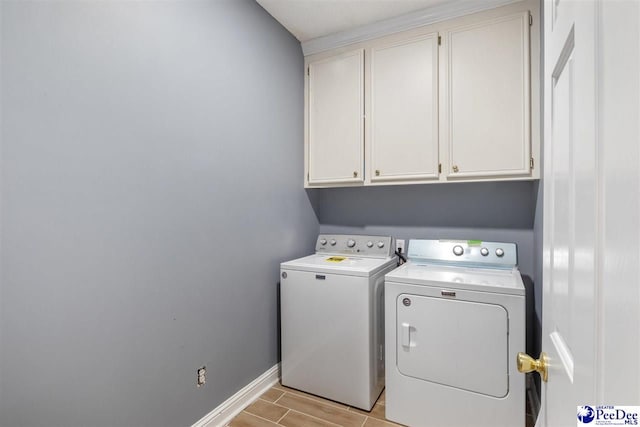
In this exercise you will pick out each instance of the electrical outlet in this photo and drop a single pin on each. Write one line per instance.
(400, 245)
(202, 376)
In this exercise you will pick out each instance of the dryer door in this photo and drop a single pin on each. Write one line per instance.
(455, 343)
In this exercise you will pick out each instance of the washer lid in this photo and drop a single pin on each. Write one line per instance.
(339, 264)
(469, 278)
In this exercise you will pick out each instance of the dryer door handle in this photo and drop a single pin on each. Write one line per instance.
(406, 335)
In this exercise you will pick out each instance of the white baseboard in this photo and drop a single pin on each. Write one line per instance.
(236, 403)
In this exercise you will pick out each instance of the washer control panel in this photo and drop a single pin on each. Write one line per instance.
(464, 252)
(350, 244)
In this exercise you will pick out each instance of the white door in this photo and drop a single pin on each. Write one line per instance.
(335, 119)
(486, 91)
(570, 211)
(403, 110)
(591, 176)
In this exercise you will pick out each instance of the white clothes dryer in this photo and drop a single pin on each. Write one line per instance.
(332, 320)
(455, 321)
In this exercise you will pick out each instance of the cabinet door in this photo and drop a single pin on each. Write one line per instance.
(336, 113)
(488, 96)
(404, 110)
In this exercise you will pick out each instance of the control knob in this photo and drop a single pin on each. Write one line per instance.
(333, 242)
(381, 244)
(323, 242)
(484, 251)
(369, 244)
(500, 252)
(458, 250)
(351, 243)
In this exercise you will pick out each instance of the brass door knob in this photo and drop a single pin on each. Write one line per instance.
(527, 363)
(455, 168)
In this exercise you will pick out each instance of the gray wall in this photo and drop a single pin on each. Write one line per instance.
(496, 211)
(148, 150)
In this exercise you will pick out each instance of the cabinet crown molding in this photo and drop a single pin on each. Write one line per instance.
(441, 12)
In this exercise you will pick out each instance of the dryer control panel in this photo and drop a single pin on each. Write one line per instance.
(353, 244)
(473, 253)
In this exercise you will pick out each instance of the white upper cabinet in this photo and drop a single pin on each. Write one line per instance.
(403, 110)
(486, 105)
(335, 119)
(454, 101)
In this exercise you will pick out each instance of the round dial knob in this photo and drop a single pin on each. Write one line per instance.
(484, 251)
(381, 244)
(351, 243)
(323, 242)
(333, 242)
(369, 244)
(458, 250)
(500, 252)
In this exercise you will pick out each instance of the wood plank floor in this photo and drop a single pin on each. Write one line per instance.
(286, 407)
(283, 406)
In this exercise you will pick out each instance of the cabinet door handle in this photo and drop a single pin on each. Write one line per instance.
(455, 168)
(355, 174)
(377, 172)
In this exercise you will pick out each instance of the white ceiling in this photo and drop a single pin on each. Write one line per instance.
(309, 19)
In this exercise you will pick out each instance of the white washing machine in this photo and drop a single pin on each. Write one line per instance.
(455, 321)
(332, 320)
